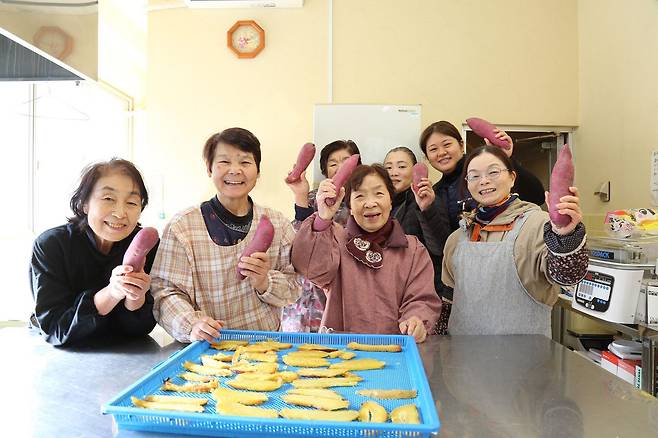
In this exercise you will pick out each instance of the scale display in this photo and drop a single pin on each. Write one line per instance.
(593, 292)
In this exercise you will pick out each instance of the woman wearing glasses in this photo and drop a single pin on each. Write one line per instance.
(507, 261)
(444, 148)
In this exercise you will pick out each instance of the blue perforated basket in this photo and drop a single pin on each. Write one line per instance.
(403, 370)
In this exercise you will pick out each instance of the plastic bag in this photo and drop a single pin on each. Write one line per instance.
(632, 222)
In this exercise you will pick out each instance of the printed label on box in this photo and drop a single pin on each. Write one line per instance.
(638, 376)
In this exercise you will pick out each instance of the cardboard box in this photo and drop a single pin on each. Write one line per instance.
(609, 362)
(626, 369)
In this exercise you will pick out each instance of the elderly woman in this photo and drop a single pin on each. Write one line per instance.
(305, 315)
(80, 287)
(378, 280)
(443, 147)
(195, 284)
(508, 261)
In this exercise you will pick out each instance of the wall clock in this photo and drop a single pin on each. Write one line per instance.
(246, 39)
(54, 41)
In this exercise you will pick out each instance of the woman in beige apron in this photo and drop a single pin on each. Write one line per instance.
(507, 261)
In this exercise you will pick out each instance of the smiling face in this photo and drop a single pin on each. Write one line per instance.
(233, 172)
(489, 181)
(399, 167)
(370, 203)
(443, 152)
(335, 160)
(113, 209)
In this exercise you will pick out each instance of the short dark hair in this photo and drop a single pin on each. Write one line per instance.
(334, 146)
(442, 127)
(493, 150)
(88, 178)
(406, 150)
(361, 172)
(237, 137)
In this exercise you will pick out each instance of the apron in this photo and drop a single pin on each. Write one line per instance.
(489, 298)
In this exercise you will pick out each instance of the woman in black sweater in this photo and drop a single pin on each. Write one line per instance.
(418, 212)
(80, 287)
(443, 146)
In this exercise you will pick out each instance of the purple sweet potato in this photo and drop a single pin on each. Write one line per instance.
(261, 241)
(343, 174)
(419, 171)
(142, 243)
(304, 158)
(561, 179)
(486, 130)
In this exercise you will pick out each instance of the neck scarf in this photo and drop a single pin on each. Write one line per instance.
(367, 247)
(485, 214)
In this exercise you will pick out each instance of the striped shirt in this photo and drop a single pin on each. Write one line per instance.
(193, 277)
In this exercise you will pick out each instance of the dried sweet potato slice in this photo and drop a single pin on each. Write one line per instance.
(324, 382)
(208, 371)
(189, 387)
(407, 414)
(255, 385)
(359, 364)
(243, 397)
(309, 414)
(306, 362)
(372, 412)
(228, 345)
(388, 393)
(316, 347)
(389, 348)
(311, 401)
(316, 392)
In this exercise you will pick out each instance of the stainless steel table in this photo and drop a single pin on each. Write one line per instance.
(484, 386)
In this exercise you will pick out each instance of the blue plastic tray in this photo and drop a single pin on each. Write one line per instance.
(403, 370)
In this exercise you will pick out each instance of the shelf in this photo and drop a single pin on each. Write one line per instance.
(649, 331)
(631, 330)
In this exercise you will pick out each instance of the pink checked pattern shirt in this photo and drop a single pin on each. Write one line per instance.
(194, 277)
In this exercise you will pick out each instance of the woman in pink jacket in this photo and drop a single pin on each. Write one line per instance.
(378, 279)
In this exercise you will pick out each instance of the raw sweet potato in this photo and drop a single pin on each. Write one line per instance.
(343, 174)
(261, 241)
(561, 179)
(419, 172)
(486, 130)
(304, 158)
(142, 243)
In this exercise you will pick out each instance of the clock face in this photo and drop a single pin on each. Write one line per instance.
(246, 39)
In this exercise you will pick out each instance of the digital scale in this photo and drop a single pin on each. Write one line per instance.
(616, 267)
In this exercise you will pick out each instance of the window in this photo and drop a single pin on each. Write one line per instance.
(50, 131)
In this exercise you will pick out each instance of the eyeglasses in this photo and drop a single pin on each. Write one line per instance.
(492, 175)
